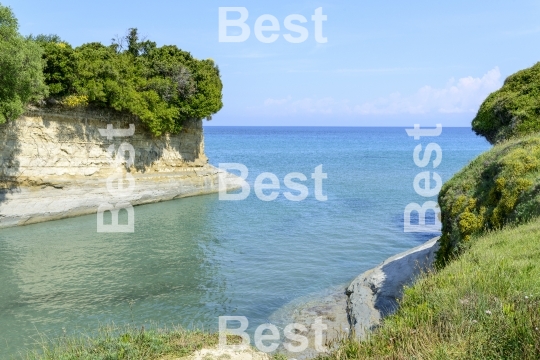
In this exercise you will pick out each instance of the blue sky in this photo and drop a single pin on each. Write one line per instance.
(386, 63)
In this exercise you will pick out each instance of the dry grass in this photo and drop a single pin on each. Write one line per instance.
(112, 342)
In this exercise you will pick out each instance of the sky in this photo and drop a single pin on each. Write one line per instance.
(384, 63)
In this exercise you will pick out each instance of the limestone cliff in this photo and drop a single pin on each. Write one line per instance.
(55, 164)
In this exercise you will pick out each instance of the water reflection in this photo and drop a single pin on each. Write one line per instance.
(65, 274)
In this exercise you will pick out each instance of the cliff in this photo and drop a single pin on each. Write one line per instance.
(55, 164)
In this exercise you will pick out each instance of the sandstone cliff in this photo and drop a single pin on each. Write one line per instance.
(55, 164)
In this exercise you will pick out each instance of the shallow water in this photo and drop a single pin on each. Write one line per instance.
(192, 260)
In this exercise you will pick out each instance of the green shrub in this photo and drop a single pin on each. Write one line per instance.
(512, 111)
(58, 64)
(499, 187)
(162, 86)
(21, 76)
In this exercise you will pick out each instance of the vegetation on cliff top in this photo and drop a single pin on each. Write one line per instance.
(512, 111)
(21, 76)
(162, 86)
(501, 186)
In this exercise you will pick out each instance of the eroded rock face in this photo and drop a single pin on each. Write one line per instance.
(374, 294)
(68, 144)
(55, 164)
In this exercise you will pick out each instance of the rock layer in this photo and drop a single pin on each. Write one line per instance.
(55, 164)
(374, 294)
(357, 309)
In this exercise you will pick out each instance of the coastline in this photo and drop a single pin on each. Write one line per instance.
(25, 205)
(356, 309)
(59, 164)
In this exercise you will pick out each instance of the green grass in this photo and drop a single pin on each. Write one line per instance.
(113, 342)
(483, 305)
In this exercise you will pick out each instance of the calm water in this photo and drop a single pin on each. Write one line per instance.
(192, 260)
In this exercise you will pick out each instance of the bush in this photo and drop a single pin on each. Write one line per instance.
(58, 64)
(74, 101)
(512, 111)
(21, 76)
(162, 86)
(500, 187)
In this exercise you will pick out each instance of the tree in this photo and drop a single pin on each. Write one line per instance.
(162, 86)
(21, 69)
(58, 64)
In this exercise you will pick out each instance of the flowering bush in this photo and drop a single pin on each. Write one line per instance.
(499, 187)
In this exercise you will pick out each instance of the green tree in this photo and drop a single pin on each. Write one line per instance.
(21, 69)
(59, 64)
(162, 86)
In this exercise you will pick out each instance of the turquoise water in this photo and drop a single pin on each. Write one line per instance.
(192, 260)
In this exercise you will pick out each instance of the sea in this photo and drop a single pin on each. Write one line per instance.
(190, 261)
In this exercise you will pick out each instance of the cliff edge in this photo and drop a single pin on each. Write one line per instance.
(374, 294)
(57, 164)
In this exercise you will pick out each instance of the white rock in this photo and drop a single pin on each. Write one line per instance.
(373, 295)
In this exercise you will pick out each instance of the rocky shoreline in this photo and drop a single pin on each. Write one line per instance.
(23, 205)
(62, 163)
(358, 308)
(375, 293)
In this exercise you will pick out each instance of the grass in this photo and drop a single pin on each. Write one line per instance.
(112, 342)
(483, 305)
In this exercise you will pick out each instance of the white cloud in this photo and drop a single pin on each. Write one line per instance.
(270, 102)
(251, 55)
(461, 96)
(523, 32)
(325, 105)
(376, 70)
(458, 96)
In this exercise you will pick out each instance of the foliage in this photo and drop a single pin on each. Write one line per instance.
(483, 305)
(162, 86)
(73, 101)
(59, 63)
(500, 187)
(21, 76)
(512, 111)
